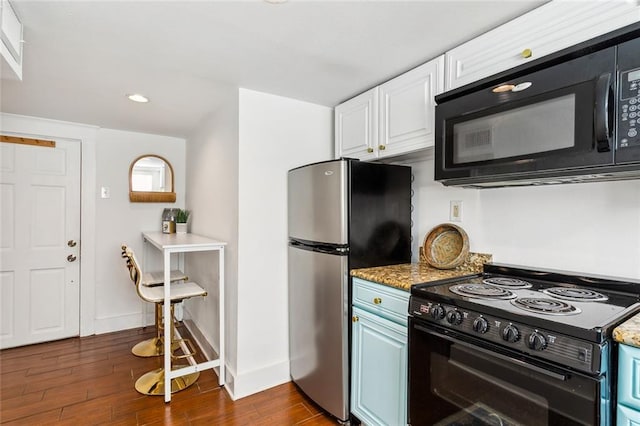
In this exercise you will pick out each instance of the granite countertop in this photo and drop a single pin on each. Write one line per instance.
(628, 332)
(405, 275)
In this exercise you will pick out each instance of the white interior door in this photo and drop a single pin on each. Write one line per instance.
(39, 243)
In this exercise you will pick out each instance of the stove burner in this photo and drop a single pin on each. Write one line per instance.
(507, 282)
(483, 291)
(575, 294)
(545, 306)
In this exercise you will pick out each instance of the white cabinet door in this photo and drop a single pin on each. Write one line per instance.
(356, 126)
(547, 29)
(407, 109)
(10, 38)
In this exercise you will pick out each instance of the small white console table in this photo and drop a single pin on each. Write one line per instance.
(184, 243)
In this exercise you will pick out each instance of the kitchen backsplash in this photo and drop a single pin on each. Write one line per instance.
(588, 227)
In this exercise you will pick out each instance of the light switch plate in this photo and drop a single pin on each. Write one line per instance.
(105, 192)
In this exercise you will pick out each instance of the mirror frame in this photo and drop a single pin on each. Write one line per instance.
(151, 196)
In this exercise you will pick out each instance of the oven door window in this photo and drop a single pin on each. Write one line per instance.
(453, 382)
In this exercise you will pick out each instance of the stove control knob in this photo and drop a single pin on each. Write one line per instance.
(480, 325)
(537, 341)
(511, 333)
(454, 317)
(437, 312)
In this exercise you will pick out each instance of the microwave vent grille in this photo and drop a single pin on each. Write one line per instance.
(478, 138)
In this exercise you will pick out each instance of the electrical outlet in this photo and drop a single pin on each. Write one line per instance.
(455, 211)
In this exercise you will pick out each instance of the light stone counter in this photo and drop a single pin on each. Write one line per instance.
(628, 332)
(407, 274)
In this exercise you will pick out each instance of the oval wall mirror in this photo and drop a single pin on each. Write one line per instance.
(151, 180)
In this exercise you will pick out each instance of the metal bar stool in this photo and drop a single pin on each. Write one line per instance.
(153, 347)
(152, 383)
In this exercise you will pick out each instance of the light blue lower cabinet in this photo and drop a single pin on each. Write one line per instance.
(379, 370)
(627, 416)
(628, 413)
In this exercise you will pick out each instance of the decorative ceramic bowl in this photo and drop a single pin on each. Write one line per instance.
(446, 246)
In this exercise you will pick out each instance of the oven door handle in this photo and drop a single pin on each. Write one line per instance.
(517, 362)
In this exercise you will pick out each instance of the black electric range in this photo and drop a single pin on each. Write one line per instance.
(514, 346)
(544, 313)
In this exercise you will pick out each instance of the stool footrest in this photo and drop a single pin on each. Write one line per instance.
(185, 344)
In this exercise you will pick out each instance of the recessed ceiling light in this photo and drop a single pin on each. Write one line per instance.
(136, 97)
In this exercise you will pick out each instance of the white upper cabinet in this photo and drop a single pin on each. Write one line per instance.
(10, 38)
(407, 109)
(394, 118)
(552, 27)
(356, 126)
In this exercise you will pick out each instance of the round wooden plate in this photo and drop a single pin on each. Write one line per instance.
(446, 246)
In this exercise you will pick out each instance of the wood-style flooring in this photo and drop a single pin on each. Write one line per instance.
(90, 380)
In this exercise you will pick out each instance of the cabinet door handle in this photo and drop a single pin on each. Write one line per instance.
(71, 243)
(377, 300)
(381, 147)
(355, 318)
(369, 150)
(71, 258)
(526, 53)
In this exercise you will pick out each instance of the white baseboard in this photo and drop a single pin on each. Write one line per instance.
(255, 381)
(240, 386)
(121, 322)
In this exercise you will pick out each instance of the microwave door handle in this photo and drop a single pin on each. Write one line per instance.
(604, 95)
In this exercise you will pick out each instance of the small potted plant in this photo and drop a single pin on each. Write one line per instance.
(182, 217)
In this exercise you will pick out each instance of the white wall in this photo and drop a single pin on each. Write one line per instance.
(276, 134)
(237, 164)
(120, 221)
(589, 227)
(212, 197)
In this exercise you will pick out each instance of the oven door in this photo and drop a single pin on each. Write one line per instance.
(456, 380)
(555, 119)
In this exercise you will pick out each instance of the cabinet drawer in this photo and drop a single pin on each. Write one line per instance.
(547, 29)
(385, 301)
(629, 377)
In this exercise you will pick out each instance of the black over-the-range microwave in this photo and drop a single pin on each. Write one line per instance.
(569, 117)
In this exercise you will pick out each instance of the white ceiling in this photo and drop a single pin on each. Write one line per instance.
(82, 57)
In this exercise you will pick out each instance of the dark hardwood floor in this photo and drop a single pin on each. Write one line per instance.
(89, 380)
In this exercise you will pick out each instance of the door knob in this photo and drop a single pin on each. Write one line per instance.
(71, 258)
(71, 243)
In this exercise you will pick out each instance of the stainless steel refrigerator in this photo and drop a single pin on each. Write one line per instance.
(342, 214)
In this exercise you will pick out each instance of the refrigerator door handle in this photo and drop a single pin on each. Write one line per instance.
(320, 248)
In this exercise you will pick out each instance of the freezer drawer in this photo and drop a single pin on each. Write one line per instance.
(318, 328)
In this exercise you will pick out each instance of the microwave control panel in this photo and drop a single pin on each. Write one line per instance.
(629, 109)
